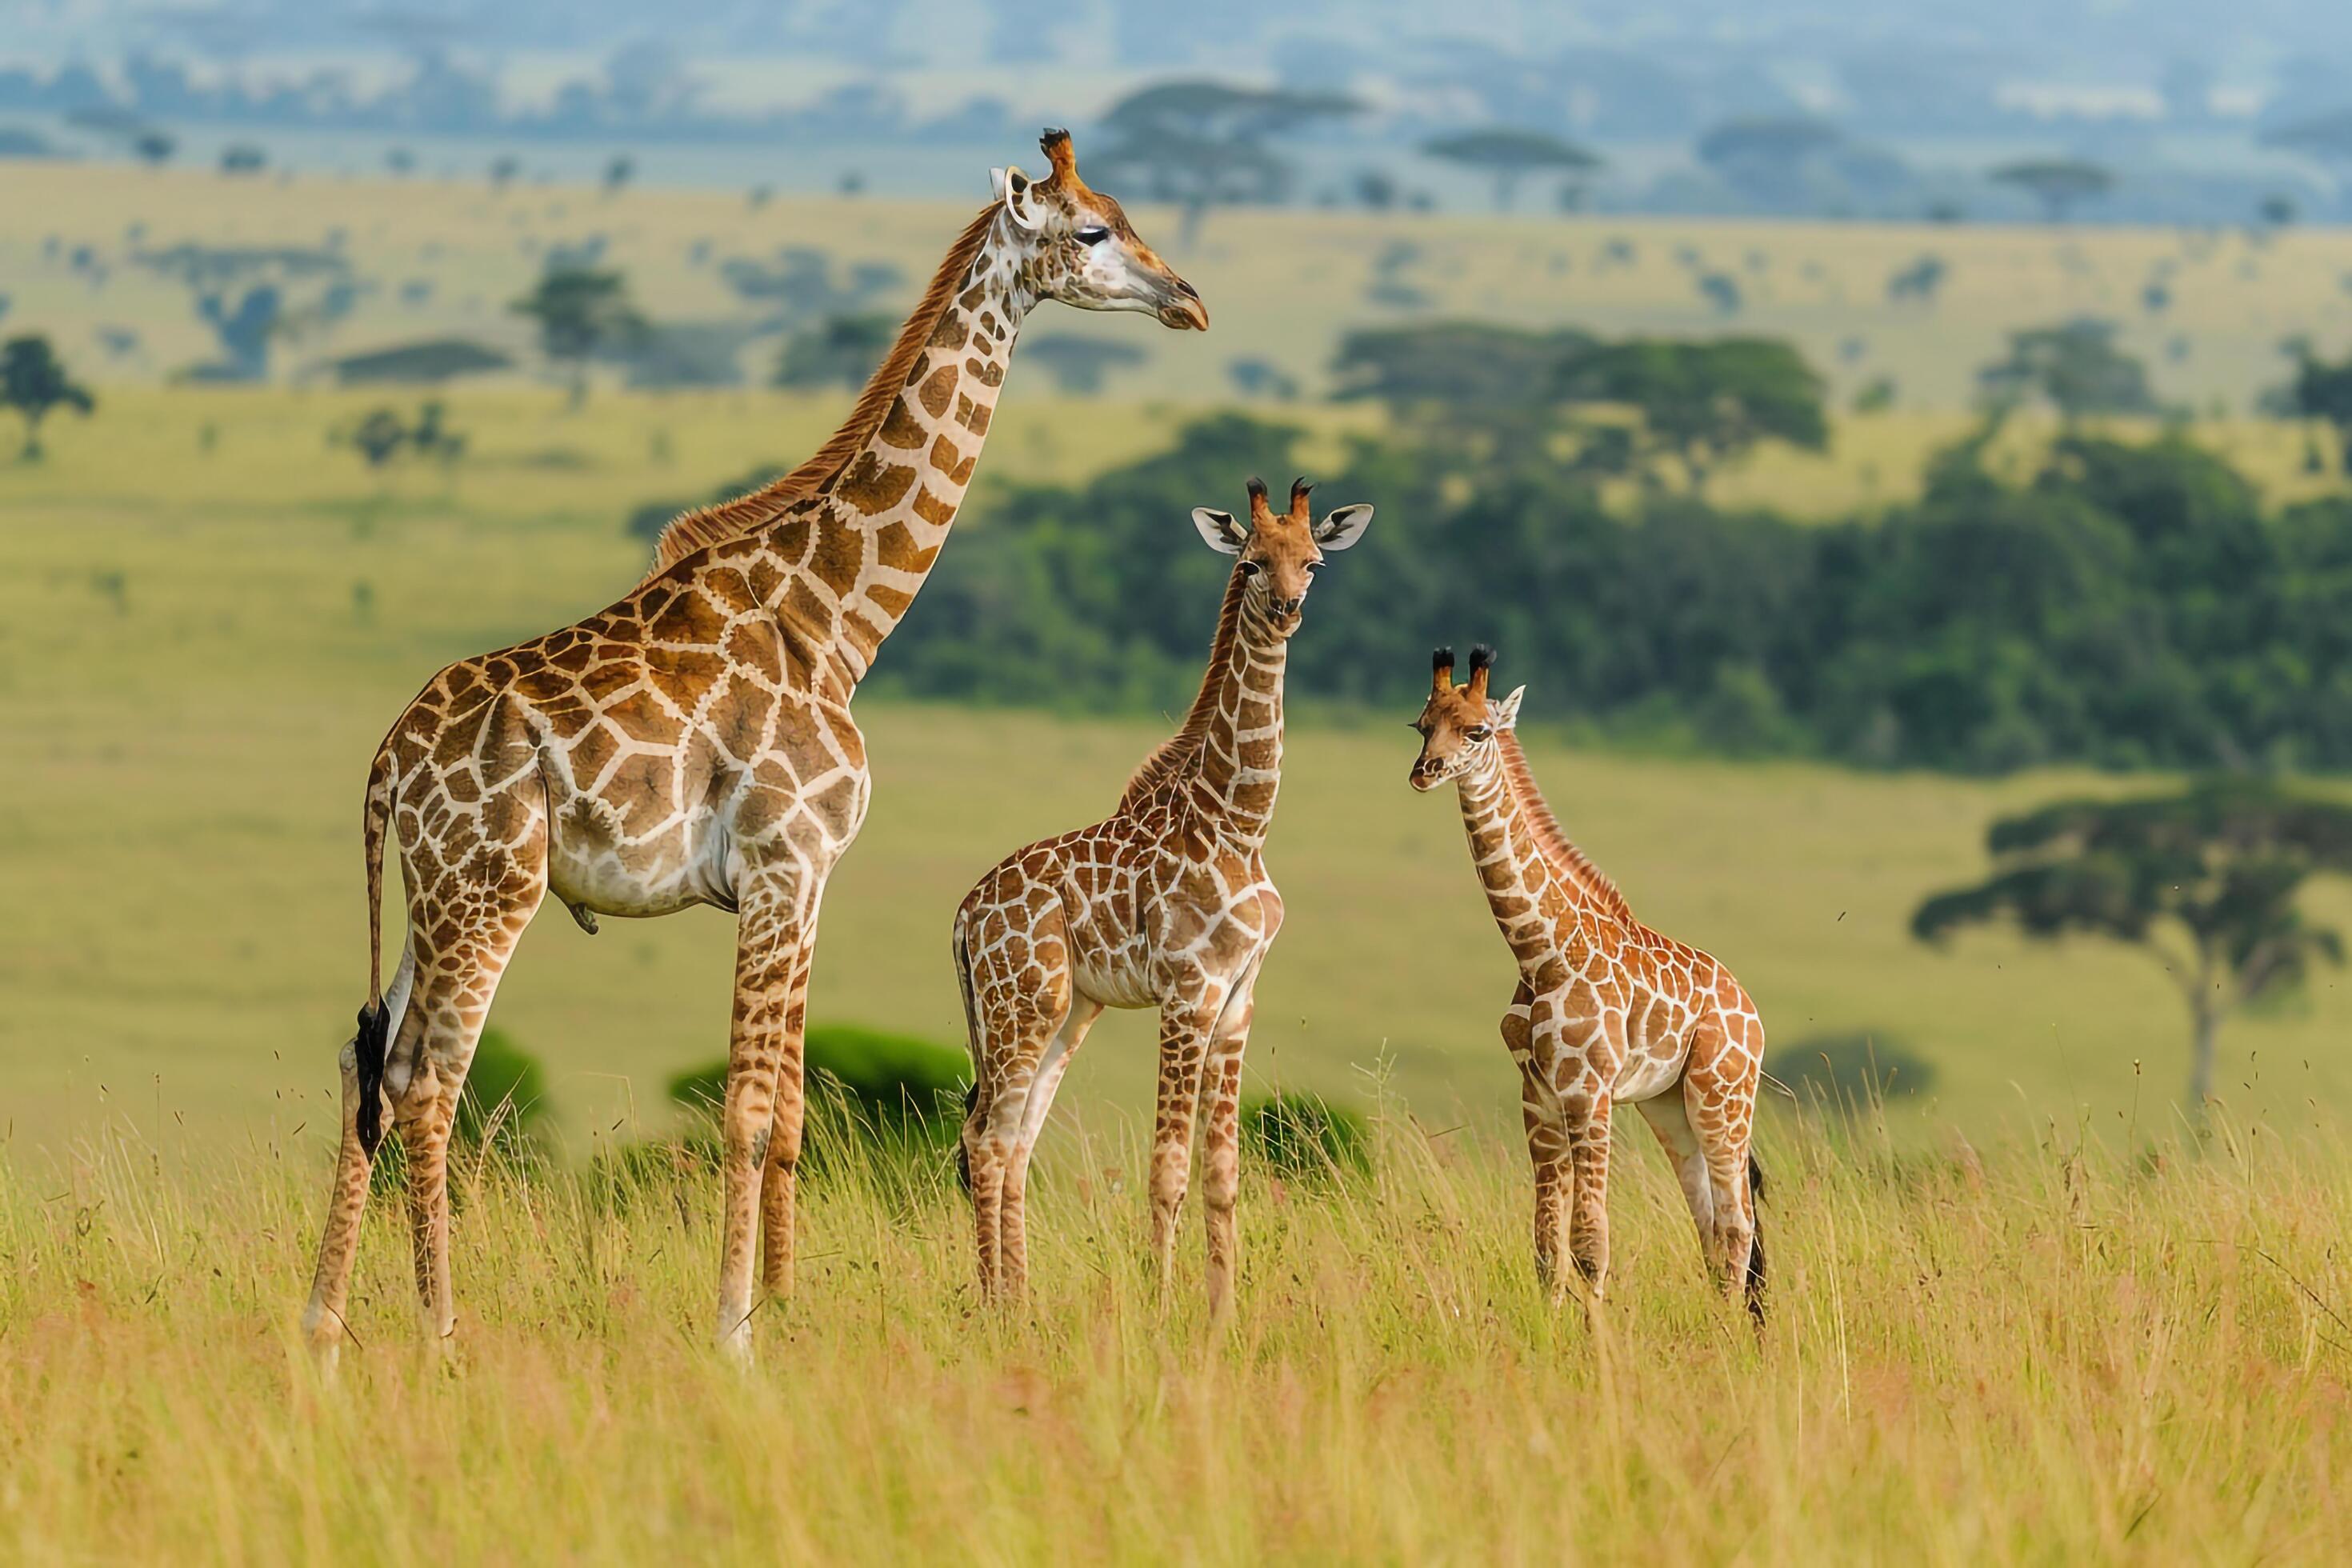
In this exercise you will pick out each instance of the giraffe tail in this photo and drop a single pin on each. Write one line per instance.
(1755, 1282)
(369, 1046)
(971, 1041)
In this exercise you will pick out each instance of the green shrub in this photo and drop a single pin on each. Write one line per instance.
(1864, 1068)
(1304, 1135)
(893, 1082)
(503, 1110)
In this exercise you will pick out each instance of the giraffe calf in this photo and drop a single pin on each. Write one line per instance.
(1166, 903)
(1607, 1010)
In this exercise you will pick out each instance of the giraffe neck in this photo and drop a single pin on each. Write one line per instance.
(1240, 750)
(1525, 894)
(860, 546)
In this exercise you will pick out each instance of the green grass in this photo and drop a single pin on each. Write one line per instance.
(2042, 1354)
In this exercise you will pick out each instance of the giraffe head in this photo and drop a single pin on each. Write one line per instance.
(1458, 723)
(1075, 245)
(1279, 550)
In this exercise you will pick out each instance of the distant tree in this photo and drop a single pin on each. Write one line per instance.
(1509, 155)
(1375, 189)
(379, 437)
(581, 313)
(840, 351)
(1078, 365)
(154, 147)
(2076, 367)
(619, 170)
(1919, 281)
(2058, 183)
(2277, 210)
(2205, 880)
(1471, 378)
(503, 170)
(2324, 392)
(1204, 143)
(400, 161)
(243, 158)
(1705, 403)
(1767, 157)
(33, 382)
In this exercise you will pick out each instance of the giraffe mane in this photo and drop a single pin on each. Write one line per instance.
(706, 526)
(1551, 839)
(1177, 753)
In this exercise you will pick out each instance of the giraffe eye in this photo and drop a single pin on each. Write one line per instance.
(1250, 568)
(1479, 733)
(1093, 234)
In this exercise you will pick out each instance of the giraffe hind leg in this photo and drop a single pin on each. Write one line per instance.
(1718, 1099)
(363, 1092)
(430, 1057)
(1013, 943)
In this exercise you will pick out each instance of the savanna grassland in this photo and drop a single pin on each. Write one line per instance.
(2042, 1355)
(2022, 1316)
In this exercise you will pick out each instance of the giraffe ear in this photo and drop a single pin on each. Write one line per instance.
(1015, 189)
(1505, 715)
(1219, 528)
(1343, 527)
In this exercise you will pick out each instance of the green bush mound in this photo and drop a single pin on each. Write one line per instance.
(893, 1083)
(1303, 1135)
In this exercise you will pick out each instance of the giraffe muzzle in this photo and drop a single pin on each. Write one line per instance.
(1182, 309)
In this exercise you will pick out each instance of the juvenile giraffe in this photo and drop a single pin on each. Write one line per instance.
(1166, 903)
(692, 743)
(1607, 1011)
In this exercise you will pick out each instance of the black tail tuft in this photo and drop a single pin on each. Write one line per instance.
(963, 1151)
(1756, 1246)
(367, 1054)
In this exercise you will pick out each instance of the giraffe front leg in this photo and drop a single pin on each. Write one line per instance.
(1184, 1027)
(1587, 1131)
(768, 942)
(1547, 1144)
(1221, 1090)
(780, 1178)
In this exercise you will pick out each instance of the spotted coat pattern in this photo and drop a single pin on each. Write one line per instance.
(1607, 1010)
(692, 743)
(1166, 903)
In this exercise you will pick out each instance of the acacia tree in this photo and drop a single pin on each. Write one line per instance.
(2205, 880)
(581, 312)
(2324, 391)
(1199, 143)
(1705, 403)
(1509, 155)
(2058, 183)
(33, 381)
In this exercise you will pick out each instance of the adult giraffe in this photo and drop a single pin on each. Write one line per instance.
(692, 743)
(1166, 903)
(1607, 1012)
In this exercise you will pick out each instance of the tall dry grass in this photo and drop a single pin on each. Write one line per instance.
(2052, 1352)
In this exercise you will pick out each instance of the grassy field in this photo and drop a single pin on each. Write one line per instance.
(2035, 1356)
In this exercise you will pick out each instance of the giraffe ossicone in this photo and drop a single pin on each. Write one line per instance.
(1166, 903)
(1607, 1011)
(691, 744)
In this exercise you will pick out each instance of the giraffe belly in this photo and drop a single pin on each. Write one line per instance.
(591, 871)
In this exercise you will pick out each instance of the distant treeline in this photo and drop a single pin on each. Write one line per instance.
(2126, 606)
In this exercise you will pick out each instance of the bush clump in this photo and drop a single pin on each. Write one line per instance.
(1300, 1134)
